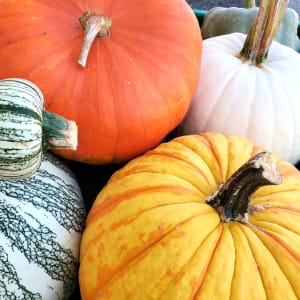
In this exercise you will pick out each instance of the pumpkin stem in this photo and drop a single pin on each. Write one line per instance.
(263, 31)
(250, 3)
(58, 132)
(233, 197)
(94, 26)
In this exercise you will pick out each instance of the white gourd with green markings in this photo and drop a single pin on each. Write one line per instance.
(26, 129)
(42, 219)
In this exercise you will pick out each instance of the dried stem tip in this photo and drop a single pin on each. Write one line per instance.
(94, 26)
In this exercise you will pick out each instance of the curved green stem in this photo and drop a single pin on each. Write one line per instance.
(263, 31)
(232, 199)
(58, 132)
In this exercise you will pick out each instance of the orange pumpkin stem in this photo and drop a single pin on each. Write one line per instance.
(233, 197)
(263, 31)
(94, 26)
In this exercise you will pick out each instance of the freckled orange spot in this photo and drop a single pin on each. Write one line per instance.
(142, 236)
(101, 249)
(123, 248)
(171, 272)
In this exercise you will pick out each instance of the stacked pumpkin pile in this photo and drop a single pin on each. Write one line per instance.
(135, 154)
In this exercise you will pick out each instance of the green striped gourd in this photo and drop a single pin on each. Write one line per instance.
(42, 219)
(26, 129)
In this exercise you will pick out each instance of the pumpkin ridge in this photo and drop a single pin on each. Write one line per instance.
(108, 62)
(198, 292)
(51, 71)
(260, 197)
(127, 48)
(218, 103)
(154, 172)
(251, 106)
(205, 140)
(277, 239)
(253, 254)
(114, 226)
(279, 244)
(279, 90)
(108, 204)
(241, 232)
(198, 171)
(293, 118)
(136, 258)
(211, 108)
(183, 267)
(133, 61)
(256, 232)
(182, 160)
(16, 45)
(100, 231)
(59, 83)
(291, 210)
(145, 76)
(216, 157)
(123, 38)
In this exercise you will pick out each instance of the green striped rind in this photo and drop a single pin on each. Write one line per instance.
(21, 106)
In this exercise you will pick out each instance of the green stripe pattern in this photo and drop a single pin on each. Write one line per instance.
(21, 107)
(42, 220)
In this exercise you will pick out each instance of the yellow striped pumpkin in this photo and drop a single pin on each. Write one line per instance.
(200, 217)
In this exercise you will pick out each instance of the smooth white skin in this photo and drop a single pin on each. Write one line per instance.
(259, 103)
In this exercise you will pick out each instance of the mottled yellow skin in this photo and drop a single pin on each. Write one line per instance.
(150, 234)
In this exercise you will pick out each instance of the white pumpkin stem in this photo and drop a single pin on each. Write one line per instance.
(58, 132)
(263, 31)
(233, 197)
(94, 26)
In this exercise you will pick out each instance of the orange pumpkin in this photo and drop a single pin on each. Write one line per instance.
(139, 76)
(184, 221)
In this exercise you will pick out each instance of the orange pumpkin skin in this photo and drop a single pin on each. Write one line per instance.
(151, 235)
(138, 81)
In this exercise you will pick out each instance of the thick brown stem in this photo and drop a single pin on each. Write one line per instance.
(232, 199)
(94, 26)
(263, 31)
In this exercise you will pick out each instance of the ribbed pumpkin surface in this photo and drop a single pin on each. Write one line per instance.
(21, 107)
(138, 81)
(151, 235)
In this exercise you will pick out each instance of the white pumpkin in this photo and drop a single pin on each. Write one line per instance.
(259, 102)
(42, 219)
